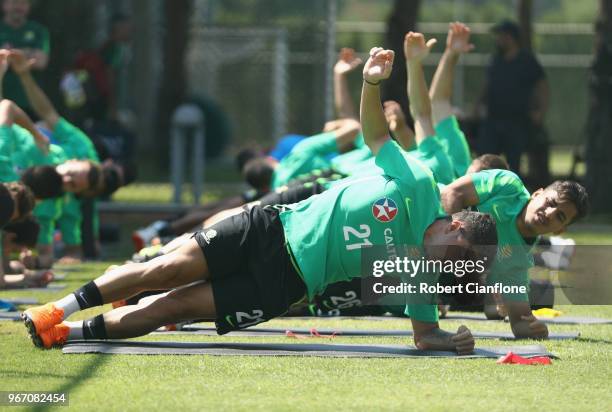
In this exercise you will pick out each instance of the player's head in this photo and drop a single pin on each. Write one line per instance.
(44, 181)
(244, 156)
(552, 209)
(463, 236)
(16, 201)
(114, 176)
(507, 36)
(23, 234)
(80, 176)
(16, 11)
(258, 172)
(487, 162)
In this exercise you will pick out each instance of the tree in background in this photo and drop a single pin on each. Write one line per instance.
(599, 121)
(401, 20)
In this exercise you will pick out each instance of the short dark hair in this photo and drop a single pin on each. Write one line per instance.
(243, 157)
(7, 205)
(44, 181)
(570, 191)
(112, 179)
(258, 173)
(508, 27)
(26, 231)
(93, 176)
(491, 161)
(481, 231)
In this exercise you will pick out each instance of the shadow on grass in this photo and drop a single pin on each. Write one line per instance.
(79, 379)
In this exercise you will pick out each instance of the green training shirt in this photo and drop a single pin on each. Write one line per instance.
(455, 144)
(348, 163)
(47, 211)
(326, 232)
(306, 156)
(8, 145)
(74, 141)
(432, 153)
(502, 194)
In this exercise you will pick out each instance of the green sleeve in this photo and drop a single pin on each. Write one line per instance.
(496, 182)
(432, 153)
(75, 143)
(7, 149)
(359, 141)
(320, 144)
(456, 145)
(422, 313)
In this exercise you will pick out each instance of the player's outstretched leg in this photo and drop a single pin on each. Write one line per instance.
(180, 267)
(186, 303)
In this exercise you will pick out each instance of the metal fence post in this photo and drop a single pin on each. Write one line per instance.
(187, 119)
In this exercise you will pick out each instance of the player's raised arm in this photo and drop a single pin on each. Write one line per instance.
(458, 195)
(396, 121)
(41, 104)
(11, 113)
(373, 123)
(347, 62)
(416, 50)
(440, 92)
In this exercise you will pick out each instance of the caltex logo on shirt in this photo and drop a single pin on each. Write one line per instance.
(384, 209)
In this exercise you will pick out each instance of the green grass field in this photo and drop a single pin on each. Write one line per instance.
(579, 380)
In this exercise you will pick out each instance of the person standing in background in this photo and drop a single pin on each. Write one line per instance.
(515, 97)
(17, 32)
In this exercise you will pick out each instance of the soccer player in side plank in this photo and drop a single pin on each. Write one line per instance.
(251, 267)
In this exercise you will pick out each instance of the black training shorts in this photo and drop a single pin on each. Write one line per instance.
(252, 275)
(291, 194)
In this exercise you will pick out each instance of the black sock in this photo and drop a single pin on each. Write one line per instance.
(88, 296)
(94, 328)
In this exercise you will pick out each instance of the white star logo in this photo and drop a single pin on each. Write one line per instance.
(384, 209)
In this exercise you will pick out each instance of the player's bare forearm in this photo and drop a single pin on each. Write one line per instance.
(420, 105)
(404, 136)
(523, 323)
(346, 134)
(442, 86)
(342, 98)
(459, 195)
(373, 122)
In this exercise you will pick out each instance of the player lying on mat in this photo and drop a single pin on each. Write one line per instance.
(253, 266)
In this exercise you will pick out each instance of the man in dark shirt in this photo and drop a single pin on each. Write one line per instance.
(17, 32)
(515, 97)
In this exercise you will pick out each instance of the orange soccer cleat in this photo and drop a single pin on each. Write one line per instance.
(42, 318)
(55, 336)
